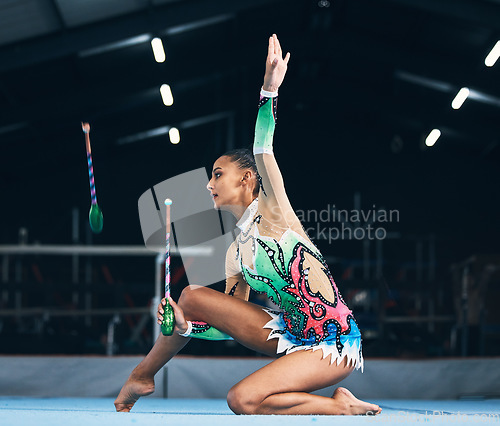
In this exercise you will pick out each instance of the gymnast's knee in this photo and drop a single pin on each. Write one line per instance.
(189, 299)
(240, 401)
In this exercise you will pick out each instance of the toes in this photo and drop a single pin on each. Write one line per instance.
(374, 410)
(123, 408)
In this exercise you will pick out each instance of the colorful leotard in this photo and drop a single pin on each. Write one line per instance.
(275, 256)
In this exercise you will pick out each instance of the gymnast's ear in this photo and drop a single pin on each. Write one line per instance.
(248, 177)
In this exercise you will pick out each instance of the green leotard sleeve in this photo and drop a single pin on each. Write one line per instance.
(264, 126)
(272, 192)
(202, 330)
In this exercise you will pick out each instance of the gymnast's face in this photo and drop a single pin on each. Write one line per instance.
(229, 184)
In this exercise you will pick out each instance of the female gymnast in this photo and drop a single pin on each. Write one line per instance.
(313, 336)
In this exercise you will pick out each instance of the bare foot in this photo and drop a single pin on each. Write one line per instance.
(353, 405)
(132, 390)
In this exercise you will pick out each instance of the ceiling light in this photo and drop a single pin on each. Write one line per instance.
(174, 135)
(166, 95)
(158, 50)
(432, 137)
(460, 98)
(493, 55)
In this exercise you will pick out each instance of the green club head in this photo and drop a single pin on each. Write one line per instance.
(95, 218)
(168, 323)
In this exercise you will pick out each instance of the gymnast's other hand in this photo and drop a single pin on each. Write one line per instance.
(276, 65)
(181, 325)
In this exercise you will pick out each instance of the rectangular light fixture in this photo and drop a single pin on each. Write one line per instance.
(174, 135)
(462, 95)
(158, 50)
(432, 137)
(493, 55)
(166, 95)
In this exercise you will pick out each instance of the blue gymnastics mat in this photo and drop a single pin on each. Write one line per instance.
(20, 411)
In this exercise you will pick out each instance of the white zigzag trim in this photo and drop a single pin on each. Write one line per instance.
(350, 350)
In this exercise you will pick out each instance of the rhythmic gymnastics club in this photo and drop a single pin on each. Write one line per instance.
(168, 323)
(95, 213)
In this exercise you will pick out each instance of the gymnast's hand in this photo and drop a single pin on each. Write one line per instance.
(276, 66)
(181, 325)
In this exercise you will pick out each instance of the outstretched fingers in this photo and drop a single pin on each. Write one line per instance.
(270, 47)
(275, 53)
(276, 65)
(277, 46)
(287, 58)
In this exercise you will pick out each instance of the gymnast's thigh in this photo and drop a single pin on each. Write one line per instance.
(299, 371)
(242, 320)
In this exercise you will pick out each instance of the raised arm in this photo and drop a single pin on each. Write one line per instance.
(272, 195)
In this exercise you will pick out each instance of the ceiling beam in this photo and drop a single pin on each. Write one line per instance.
(480, 12)
(109, 103)
(158, 19)
(371, 55)
(58, 14)
(379, 111)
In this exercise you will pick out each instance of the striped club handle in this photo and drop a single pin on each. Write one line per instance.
(86, 130)
(168, 203)
(93, 196)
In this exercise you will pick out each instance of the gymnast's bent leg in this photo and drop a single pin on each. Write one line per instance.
(304, 371)
(241, 320)
(284, 385)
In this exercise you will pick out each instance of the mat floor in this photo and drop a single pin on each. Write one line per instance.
(20, 411)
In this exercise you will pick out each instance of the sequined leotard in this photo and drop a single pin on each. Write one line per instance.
(276, 257)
